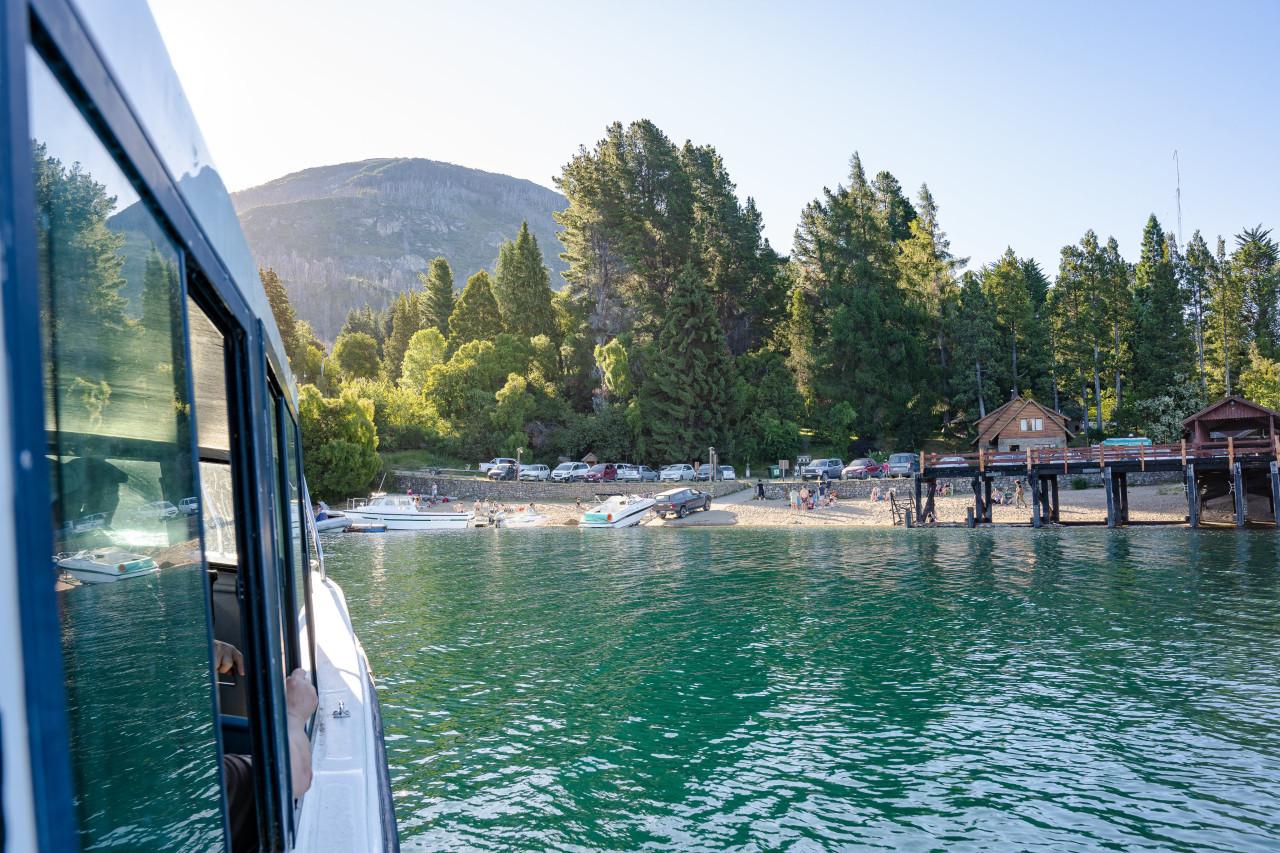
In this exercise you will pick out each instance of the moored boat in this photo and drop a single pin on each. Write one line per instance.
(617, 511)
(523, 518)
(107, 565)
(402, 512)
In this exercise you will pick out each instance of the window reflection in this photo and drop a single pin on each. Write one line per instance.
(132, 588)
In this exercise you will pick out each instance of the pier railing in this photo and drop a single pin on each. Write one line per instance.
(1104, 455)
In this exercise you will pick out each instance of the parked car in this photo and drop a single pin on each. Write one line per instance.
(156, 510)
(815, 469)
(187, 506)
(861, 469)
(497, 460)
(726, 473)
(952, 462)
(637, 474)
(703, 474)
(502, 472)
(904, 464)
(541, 473)
(570, 472)
(678, 472)
(604, 472)
(681, 502)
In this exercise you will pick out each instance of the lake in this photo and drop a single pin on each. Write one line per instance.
(773, 689)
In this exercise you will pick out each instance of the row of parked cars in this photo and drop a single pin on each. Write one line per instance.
(898, 465)
(603, 472)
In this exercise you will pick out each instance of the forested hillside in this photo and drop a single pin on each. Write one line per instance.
(682, 328)
(344, 236)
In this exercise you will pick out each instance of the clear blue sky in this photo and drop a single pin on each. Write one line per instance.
(1030, 123)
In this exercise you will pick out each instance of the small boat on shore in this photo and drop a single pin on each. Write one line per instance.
(107, 565)
(402, 512)
(333, 522)
(617, 511)
(522, 518)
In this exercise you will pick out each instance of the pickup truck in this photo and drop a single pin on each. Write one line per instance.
(494, 462)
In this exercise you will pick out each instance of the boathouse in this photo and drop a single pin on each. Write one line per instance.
(1022, 424)
(1231, 417)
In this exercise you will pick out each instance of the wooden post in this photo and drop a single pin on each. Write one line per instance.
(1123, 487)
(1044, 497)
(979, 509)
(1035, 503)
(987, 489)
(1275, 440)
(1066, 456)
(919, 504)
(1193, 497)
(1275, 491)
(1237, 476)
(1028, 460)
(1184, 453)
(921, 461)
(1101, 457)
(1111, 497)
(1142, 456)
(1231, 452)
(982, 460)
(968, 519)
(1054, 515)
(906, 518)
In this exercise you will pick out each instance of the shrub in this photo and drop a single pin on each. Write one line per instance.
(1079, 483)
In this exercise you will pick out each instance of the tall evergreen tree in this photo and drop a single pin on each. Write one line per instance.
(281, 309)
(687, 398)
(1255, 264)
(476, 316)
(1161, 345)
(436, 301)
(522, 287)
(1005, 286)
(365, 321)
(1197, 273)
(977, 352)
(406, 323)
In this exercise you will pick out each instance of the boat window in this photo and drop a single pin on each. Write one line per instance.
(297, 520)
(131, 584)
(213, 435)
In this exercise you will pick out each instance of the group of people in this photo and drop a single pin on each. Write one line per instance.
(878, 495)
(805, 498)
(430, 501)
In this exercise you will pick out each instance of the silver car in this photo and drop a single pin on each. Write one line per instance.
(539, 473)
(676, 473)
(637, 474)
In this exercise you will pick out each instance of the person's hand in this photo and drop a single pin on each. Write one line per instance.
(299, 696)
(226, 656)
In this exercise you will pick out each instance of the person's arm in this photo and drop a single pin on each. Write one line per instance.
(300, 704)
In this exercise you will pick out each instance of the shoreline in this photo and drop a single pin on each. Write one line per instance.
(1162, 503)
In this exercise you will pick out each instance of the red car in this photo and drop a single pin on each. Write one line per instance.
(602, 473)
(861, 469)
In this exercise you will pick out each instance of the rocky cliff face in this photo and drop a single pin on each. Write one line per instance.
(356, 233)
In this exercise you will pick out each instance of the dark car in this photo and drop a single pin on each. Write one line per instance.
(502, 472)
(703, 475)
(602, 473)
(681, 502)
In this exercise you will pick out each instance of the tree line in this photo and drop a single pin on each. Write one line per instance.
(682, 328)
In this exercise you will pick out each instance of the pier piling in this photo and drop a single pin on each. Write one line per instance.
(1035, 503)
(1275, 492)
(1237, 481)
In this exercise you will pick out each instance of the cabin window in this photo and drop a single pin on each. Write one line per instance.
(125, 497)
(298, 509)
(1032, 424)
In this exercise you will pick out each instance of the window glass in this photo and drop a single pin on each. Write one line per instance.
(213, 435)
(298, 510)
(131, 584)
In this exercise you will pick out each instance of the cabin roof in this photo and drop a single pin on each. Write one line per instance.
(1233, 413)
(995, 422)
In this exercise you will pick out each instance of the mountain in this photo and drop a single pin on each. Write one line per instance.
(356, 233)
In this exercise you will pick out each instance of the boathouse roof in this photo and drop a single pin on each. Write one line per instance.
(1231, 415)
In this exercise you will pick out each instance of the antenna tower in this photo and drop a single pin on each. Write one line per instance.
(1178, 172)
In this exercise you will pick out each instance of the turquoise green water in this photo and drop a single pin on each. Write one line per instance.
(825, 690)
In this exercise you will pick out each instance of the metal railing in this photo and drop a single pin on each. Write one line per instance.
(1103, 455)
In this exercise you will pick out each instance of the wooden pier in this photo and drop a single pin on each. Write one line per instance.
(1209, 470)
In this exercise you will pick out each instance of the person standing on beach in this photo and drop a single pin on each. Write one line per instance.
(760, 490)
(1019, 499)
(795, 498)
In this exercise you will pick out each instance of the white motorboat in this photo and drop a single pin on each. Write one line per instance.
(107, 565)
(617, 511)
(402, 512)
(522, 518)
(333, 522)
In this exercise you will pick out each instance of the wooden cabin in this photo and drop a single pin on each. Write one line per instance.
(1230, 417)
(1021, 424)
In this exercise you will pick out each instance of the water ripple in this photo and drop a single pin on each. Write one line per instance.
(758, 690)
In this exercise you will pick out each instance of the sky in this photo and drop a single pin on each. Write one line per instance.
(1030, 122)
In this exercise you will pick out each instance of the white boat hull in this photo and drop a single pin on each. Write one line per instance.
(108, 567)
(396, 519)
(339, 522)
(615, 516)
(522, 520)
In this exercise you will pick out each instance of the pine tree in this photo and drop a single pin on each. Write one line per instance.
(476, 316)
(687, 397)
(1255, 264)
(1161, 345)
(522, 287)
(281, 309)
(437, 299)
(365, 321)
(976, 351)
(407, 321)
(1005, 286)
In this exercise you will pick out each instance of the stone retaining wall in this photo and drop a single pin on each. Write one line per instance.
(510, 491)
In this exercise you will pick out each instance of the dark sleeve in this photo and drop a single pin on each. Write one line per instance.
(242, 812)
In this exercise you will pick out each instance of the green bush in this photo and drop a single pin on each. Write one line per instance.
(1079, 483)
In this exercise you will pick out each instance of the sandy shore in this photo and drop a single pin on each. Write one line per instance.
(1147, 503)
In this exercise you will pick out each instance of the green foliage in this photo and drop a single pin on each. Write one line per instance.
(356, 355)
(437, 298)
(1160, 418)
(476, 316)
(1079, 483)
(1260, 380)
(1161, 345)
(426, 350)
(837, 426)
(281, 309)
(404, 419)
(616, 369)
(687, 396)
(365, 321)
(339, 443)
(405, 323)
(522, 287)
